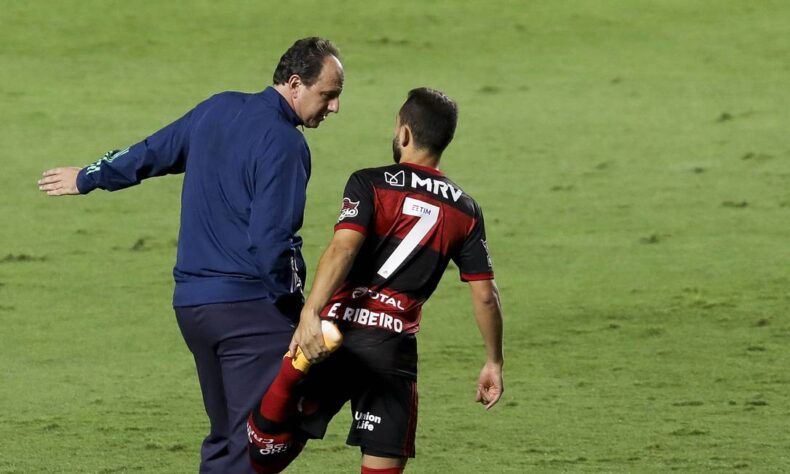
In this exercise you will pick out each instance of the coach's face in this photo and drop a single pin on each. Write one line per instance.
(313, 103)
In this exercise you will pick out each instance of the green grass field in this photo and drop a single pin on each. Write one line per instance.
(631, 156)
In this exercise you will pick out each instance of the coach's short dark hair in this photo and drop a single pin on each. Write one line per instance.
(305, 59)
(432, 117)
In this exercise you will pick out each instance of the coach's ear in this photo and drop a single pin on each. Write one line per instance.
(293, 86)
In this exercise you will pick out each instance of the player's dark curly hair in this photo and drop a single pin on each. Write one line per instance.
(305, 59)
(432, 117)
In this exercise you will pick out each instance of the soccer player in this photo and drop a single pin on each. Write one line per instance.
(239, 269)
(399, 226)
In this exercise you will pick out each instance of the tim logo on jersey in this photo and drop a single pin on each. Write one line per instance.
(349, 209)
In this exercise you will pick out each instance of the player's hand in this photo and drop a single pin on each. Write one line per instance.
(309, 338)
(60, 181)
(489, 385)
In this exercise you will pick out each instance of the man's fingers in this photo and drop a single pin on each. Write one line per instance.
(49, 179)
(316, 351)
(308, 351)
(59, 181)
(56, 189)
(497, 396)
(50, 186)
(315, 354)
(309, 354)
(488, 396)
(492, 397)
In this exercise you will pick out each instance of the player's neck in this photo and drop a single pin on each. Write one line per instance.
(421, 159)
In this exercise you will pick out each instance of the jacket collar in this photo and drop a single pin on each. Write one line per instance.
(271, 95)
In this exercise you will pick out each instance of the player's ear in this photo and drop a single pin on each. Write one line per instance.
(405, 136)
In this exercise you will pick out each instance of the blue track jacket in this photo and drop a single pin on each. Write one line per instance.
(246, 170)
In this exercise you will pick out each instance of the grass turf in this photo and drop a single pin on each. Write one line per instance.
(631, 159)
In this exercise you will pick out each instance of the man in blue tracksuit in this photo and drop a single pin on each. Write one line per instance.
(239, 271)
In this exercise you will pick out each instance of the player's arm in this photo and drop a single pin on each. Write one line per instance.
(488, 313)
(162, 153)
(333, 267)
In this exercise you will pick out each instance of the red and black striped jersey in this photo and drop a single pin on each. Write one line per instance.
(415, 220)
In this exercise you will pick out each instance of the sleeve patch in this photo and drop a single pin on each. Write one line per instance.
(349, 209)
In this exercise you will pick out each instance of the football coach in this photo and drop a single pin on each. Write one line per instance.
(239, 270)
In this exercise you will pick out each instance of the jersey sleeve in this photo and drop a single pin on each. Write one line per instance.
(474, 261)
(357, 209)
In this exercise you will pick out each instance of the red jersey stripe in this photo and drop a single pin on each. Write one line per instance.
(351, 226)
(477, 276)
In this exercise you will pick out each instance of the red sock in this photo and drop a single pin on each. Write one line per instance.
(387, 470)
(278, 403)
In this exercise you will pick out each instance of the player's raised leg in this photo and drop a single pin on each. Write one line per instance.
(272, 441)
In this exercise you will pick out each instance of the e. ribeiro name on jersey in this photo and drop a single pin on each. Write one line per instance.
(415, 221)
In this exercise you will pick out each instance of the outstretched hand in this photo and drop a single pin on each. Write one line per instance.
(60, 181)
(489, 385)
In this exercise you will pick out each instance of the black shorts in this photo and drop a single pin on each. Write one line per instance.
(377, 371)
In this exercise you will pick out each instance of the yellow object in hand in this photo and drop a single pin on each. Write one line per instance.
(332, 340)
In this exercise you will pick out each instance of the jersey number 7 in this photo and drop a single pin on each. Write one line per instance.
(428, 216)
